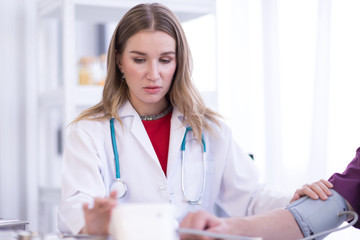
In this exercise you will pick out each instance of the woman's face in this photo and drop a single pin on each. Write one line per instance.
(149, 63)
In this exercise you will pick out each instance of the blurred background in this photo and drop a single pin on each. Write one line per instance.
(283, 73)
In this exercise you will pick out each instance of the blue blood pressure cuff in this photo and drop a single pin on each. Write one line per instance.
(315, 216)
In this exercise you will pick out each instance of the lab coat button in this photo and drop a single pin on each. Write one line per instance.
(164, 193)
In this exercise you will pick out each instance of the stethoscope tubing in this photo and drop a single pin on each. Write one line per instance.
(183, 144)
(116, 155)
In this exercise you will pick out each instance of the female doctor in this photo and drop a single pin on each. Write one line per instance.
(151, 138)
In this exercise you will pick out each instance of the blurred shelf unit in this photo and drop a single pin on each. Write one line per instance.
(84, 96)
(60, 96)
(113, 10)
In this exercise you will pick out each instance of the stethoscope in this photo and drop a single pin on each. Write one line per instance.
(118, 184)
(121, 188)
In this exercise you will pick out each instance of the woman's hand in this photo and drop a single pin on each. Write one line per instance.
(97, 218)
(202, 220)
(315, 190)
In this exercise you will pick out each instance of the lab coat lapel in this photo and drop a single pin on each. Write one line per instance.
(177, 132)
(138, 131)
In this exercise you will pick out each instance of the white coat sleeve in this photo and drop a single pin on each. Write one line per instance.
(81, 178)
(241, 193)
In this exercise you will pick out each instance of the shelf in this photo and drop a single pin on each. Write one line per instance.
(49, 8)
(113, 10)
(82, 96)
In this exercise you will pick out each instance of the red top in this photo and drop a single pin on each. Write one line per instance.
(159, 134)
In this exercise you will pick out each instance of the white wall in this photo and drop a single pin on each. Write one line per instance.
(12, 108)
(288, 85)
(18, 192)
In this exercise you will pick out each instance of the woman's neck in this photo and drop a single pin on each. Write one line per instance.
(151, 108)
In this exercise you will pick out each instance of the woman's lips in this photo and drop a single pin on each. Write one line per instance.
(152, 89)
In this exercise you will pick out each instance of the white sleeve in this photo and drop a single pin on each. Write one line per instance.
(70, 215)
(81, 178)
(242, 194)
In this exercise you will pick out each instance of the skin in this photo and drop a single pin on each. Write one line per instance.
(148, 63)
(97, 218)
(316, 190)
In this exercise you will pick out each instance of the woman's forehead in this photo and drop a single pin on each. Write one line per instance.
(150, 41)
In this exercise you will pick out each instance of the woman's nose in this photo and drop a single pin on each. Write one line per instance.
(153, 71)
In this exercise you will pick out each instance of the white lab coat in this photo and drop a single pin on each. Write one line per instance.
(232, 180)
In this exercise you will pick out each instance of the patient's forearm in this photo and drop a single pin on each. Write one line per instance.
(274, 225)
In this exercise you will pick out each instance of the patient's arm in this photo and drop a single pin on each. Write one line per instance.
(305, 216)
(274, 225)
(277, 224)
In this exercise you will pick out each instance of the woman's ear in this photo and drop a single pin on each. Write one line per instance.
(118, 60)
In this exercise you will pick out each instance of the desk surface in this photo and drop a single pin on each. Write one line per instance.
(12, 224)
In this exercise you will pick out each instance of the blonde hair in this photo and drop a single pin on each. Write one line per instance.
(182, 93)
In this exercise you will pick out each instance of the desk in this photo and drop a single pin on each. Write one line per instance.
(10, 224)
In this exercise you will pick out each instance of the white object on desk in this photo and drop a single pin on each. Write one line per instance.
(143, 221)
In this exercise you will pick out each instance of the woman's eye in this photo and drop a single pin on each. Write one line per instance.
(139, 60)
(165, 60)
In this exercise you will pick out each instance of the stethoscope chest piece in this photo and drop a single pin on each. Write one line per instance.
(120, 187)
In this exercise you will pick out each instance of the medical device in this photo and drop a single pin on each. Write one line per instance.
(118, 184)
(198, 200)
(121, 187)
(317, 218)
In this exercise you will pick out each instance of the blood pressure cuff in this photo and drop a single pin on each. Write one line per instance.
(314, 216)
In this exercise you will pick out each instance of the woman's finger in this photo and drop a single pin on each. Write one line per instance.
(295, 197)
(327, 183)
(113, 195)
(318, 190)
(324, 187)
(85, 207)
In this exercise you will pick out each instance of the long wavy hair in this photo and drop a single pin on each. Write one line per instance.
(182, 94)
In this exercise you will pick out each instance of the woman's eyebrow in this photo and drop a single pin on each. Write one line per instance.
(138, 52)
(162, 54)
(168, 53)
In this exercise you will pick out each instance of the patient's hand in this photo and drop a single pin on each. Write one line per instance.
(315, 190)
(97, 218)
